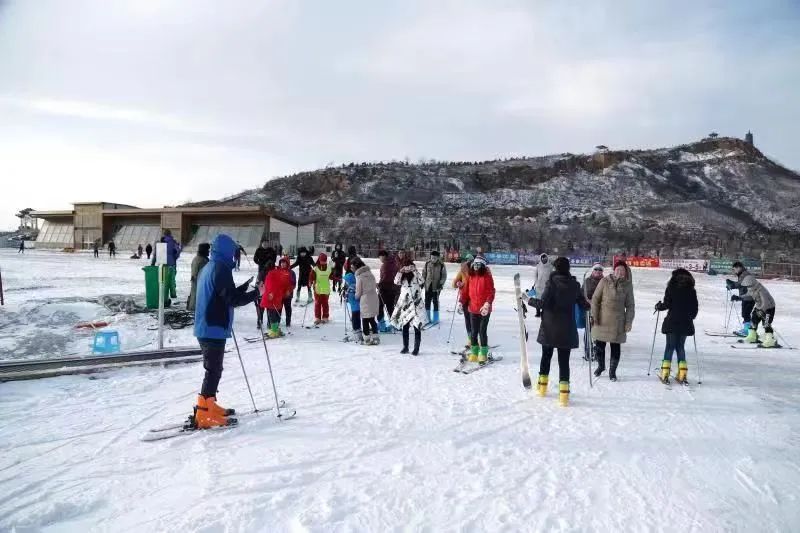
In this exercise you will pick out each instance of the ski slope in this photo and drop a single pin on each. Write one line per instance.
(389, 442)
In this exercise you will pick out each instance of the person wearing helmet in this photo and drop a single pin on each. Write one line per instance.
(480, 289)
(321, 283)
(543, 270)
(763, 311)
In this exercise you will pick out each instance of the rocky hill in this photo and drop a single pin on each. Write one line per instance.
(713, 196)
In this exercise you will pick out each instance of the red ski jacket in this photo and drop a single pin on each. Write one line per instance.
(278, 284)
(480, 290)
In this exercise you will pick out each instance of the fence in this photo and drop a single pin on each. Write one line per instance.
(781, 270)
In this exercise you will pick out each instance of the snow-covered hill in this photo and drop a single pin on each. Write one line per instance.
(718, 195)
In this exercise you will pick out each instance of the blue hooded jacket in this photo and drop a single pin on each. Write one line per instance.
(216, 293)
(173, 251)
(350, 281)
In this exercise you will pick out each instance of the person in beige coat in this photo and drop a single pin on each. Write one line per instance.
(367, 295)
(612, 316)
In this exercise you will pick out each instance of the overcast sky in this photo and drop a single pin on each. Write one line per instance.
(159, 102)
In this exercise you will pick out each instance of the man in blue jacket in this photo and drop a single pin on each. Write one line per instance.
(213, 322)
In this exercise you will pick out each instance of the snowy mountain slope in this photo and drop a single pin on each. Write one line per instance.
(691, 198)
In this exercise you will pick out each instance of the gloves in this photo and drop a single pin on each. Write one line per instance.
(736, 298)
(535, 303)
(459, 284)
(243, 287)
(729, 284)
(628, 328)
(660, 306)
(486, 309)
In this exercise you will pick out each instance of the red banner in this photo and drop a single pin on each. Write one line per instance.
(648, 262)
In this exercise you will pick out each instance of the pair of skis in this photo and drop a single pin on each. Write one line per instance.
(465, 367)
(523, 334)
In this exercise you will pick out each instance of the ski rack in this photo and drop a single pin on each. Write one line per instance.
(66, 366)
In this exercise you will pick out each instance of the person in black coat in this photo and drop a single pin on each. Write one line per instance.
(338, 259)
(304, 264)
(680, 300)
(558, 330)
(266, 258)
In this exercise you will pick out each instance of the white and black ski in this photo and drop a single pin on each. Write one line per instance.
(722, 334)
(523, 334)
(465, 351)
(469, 368)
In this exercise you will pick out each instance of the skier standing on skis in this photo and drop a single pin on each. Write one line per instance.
(320, 282)
(199, 261)
(352, 301)
(287, 300)
(21, 246)
(338, 259)
(558, 330)
(304, 263)
(434, 274)
(680, 302)
(613, 309)
(263, 256)
(387, 290)
(480, 289)
(461, 282)
(277, 285)
(763, 311)
(238, 255)
(409, 311)
(748, 303)
(217, 296)
(543, 270)
(367, 296)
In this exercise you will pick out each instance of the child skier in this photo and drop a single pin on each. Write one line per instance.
(320, 282)
(434, 274)
(352, 301)
(213, 323)
(409, 310)
(763, 311)
(304, 264)
(277, 285)
(480, 289)
(680, 302)
(367, 296)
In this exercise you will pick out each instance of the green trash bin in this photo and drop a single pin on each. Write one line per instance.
(151, 286)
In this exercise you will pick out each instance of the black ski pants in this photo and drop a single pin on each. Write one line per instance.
(387, 296)
(213, 351)
(747, 309)
(765, 316)
(355, 320)
(600, 354)
(417, 337)
(369, 326)
(431, 296)
(287, 309)
(563, 362)
(478, 327)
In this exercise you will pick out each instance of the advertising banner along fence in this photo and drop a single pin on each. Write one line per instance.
(693, 265)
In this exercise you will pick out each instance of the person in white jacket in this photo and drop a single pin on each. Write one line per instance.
(409, 311)
(543, 270)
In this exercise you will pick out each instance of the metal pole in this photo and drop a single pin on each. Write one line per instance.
(653, 347)
(453, 320)
(588, 339)
(241, 361)
(2, 300)
(271, 377)
(160, 307)
(697, 356)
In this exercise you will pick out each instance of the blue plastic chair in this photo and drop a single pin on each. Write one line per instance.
(105, 342)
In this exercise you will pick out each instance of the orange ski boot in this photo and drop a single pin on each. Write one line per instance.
(205, 415)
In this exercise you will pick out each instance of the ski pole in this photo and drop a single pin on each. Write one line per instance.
(453, 320)
(697, 356)
(272, 378)
(725, 309)
(783, 339)
(305, 312)
(587, 340)
(344, 308)
(244, 372)
(653, 347)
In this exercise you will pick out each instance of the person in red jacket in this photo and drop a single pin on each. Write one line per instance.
(277, 286)
(480, 288)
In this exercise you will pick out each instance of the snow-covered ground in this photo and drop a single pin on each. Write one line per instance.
(388, 442)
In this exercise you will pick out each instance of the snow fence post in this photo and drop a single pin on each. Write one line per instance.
(161, 261)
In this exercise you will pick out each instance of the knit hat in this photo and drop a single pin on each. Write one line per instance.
(284, 259)
(434, 253)
(480, 260)
(322, 258)
(597, 266)
(561, 265)
(621, 263)
(469, 258)
(203, 249)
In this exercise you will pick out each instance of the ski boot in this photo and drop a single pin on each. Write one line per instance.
(274, 331)
(207, 414)
(745, 329)
(683, 369)
(428, 314)
(473, 354)
(435, 317)
(382, 327)
(563, 393)
(769, 340)
(310, 300)
(317, 321)
(752, 336)
(665, 370)
(483, 355)
(541, 386)
(218, 409)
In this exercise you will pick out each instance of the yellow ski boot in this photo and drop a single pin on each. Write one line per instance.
(541, 386)
(563, 393)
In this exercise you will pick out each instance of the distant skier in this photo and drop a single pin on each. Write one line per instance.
(543, 270)
(304, 263)
(338, 259)
(112, 249)
(367, 296)
(96, 249)
(434, 275)
(480, 288)
(763, 311)
(558, 330)
(613, 310)
(409, 311)
(148, 250)
(140, 251)
(263, 256)
(349, 290)
(461, 282)
(238, 255)
(352, 253)
(276, 286)
(199, 261)
(320, 283)
(748, 303)
(21, 246)
(387, 290)
(680, 302)
(217, 296)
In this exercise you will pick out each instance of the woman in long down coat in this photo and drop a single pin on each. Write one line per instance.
(612, 316)
(409, 311)
(558, 330)
(680, 302)
(367, 296)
